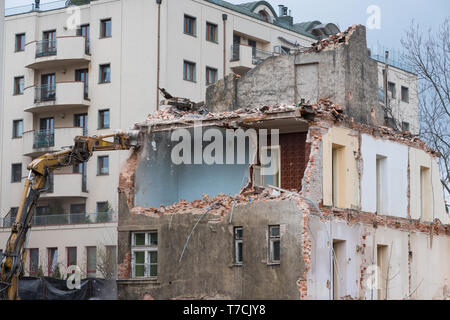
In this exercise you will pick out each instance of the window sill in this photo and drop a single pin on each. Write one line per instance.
(16, 51)
(105, 128)
(193, 81)
(102, 174)
(18, 94)
(273, 263)
(105, 37)
(17, 137)
(238, 265)
(106, 82)
(192, 35)
(212, 41)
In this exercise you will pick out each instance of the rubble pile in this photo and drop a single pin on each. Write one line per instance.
(333, 41)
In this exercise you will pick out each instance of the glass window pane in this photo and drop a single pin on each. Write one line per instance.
(276, 250)
(139, 270)
(275, 231)
(139, 239)
(153, 256)
(153, 270)
(239, 252)
(153, 238)
(139, 257)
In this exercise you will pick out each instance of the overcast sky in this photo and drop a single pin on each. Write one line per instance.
(395, 15)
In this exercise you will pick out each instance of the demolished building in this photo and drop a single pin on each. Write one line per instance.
(346, 208)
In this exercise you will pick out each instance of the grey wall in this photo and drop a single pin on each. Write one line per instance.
(160, 182)
(206, 269)
(2, 17)
(345, 74)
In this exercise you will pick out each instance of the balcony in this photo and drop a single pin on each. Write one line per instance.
(36, 143)
(60, 95)
(64, 219)
(244, 58)
(60, 52)
(71, 185)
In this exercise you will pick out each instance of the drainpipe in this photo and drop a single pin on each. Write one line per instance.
(224, 18)
(385, 80)
(158, 2)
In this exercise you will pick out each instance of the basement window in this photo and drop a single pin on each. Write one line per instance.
(274, 244)
(238, 253)
(144, 251)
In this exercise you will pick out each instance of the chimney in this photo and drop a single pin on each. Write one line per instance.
(36, 4)
(282, 10)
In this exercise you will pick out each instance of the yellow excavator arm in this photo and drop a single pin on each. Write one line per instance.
(14, 256)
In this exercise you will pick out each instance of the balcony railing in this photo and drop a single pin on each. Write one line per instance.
(45, 93)
(64, 219)
(44, 139)
(45, 48)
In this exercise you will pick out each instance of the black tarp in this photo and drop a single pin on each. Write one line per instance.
(46, 288)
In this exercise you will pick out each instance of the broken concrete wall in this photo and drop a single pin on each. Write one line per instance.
(207, 268)
(342, 72)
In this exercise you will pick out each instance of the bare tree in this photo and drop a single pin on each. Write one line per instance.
(428, 53)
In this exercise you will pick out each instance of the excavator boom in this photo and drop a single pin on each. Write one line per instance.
(14, 257)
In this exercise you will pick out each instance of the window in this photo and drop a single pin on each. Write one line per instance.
(339, 265)
(285, 50)
(263, 14)
(34, 261)
(105, 73)
(405, 126)
(16, 172)
(381, 184)
(144, 254)
(20, 42)
(405, 94)
(110, 262)
(391, 89)
(189, 25)
(382, 263)
(102, 206)
(270, 166)
(103, 165)
(425, 194)
(18, 85)
(105, 28)
(103, 119)
(91, 265)
(71, 257)
(338, 175)
(274, 244)
(52, 261)
(211, 32)
(189, 71)
(238, 254)
(82, 75)
(211, 76)
(17, 129)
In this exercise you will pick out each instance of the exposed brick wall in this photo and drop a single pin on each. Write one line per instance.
(294, 158)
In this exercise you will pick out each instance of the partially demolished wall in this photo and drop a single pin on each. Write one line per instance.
(195, 239)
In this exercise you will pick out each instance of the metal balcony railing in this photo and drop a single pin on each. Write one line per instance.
(87, 48)
(45, 48)
(44, 139)
(44, 93)
(64, 219)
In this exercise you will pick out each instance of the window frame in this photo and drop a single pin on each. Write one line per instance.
(194, 25)
(147, 248)
(101, 75)
(103, 29)
(12, 172)
(90, 272)
(101, 117)
(49, 266)
(68, 256)
(30, 265)
(15, 134)
(187, 63)
(238, 241)
(393, 91)
(16, 47)
(100, 160)
(402, 88)
(272, 239)
(262, 167)
(216, 72)
(17, 86)
(215, 29)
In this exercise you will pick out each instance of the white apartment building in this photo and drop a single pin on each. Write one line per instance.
(92, 68)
